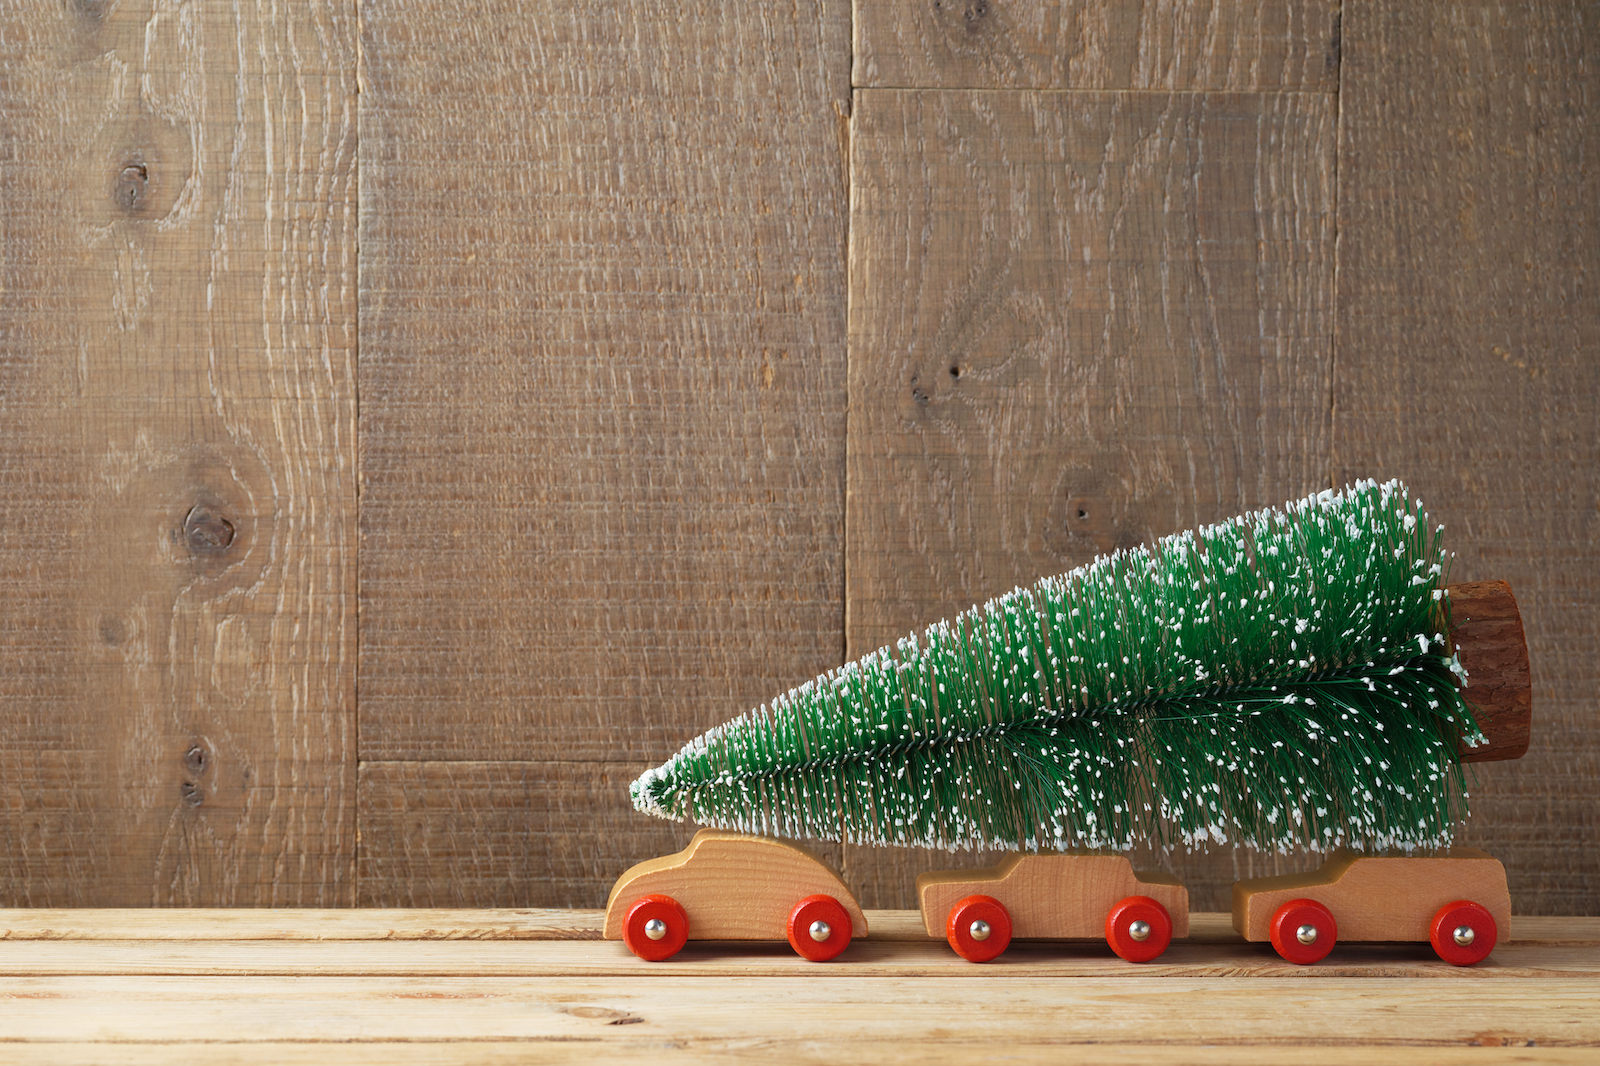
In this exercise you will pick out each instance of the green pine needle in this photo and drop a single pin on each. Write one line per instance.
(1281, 679)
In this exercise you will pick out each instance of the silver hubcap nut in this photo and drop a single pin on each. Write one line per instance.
(979, 929)
(820, 930)
(1464, 935)
(1306, 934)
(1140, 931)
(655, 929)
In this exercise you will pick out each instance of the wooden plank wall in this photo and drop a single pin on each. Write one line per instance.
(697, 349)
(602, 414)
(1079, 319)
(178, 466)
(1468, 348)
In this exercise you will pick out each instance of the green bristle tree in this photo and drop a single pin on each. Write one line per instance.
(1281, 679)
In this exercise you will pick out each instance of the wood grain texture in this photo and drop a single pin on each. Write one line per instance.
(1490, 1047)
(732, 887)
(373, 942)
(177, 492)
(500, 834)
(1051, 895)
(602, 402)
(812, 1052)
(1078, 321)
(1216, 45)
(1468, 243)
(1487, 634)
(929, 959)
(653, 1016)
(147, 925)
(242, 924)
(1379, 897)
(504, 834)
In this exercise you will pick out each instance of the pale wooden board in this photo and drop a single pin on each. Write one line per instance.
(381, 923)
(1135, 291)
(941, 1049)
(355, 923)
(866, 1014)
(177, 334)
(743, 959)
(1467, 333)
(602, 411)
(1185, 45)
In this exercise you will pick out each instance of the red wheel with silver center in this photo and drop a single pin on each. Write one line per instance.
(1303, 931)
(655, 928)
(979, 928)
(819, 928)
(1138, 928)
(1463, 933)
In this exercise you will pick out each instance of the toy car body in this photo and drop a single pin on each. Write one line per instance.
(1456, 899)
(1056, 895)
(731, 886)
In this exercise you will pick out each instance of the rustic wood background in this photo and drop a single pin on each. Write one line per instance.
(416, 419)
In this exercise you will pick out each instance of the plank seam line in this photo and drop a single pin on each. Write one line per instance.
(1333, 328)
(355, 669)
(1049, 90)
(362, 764)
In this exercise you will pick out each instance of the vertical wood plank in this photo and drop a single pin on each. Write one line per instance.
(1468, 327)
(504, 834)
(602, 397)
(1078, 321)
(497, 834)
(177, 493)
(1182, 45)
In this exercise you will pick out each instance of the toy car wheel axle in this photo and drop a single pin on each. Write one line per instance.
(1138, 928)
(1463, 933)
(1303, 931)
(819, 928)
(979, 928)
(655, 927)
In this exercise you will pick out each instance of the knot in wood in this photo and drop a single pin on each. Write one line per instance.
(112, 631)
(206, 532)
(131, 185)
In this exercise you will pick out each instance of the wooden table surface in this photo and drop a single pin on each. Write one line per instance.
(491, 986)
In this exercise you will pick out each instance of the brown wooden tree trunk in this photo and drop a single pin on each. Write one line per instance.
(1486, 628)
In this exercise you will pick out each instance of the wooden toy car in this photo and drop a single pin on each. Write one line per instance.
(1455, 899)
(730, 886)
(1069, 894)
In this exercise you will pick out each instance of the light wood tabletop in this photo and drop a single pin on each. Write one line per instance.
(491, 986)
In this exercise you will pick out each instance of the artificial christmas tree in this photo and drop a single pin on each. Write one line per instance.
(1284, 679)
(1280, 679)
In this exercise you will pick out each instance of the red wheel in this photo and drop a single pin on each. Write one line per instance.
(1463, 932)
(655, 928)
(1303, 931)
(1138, 928)
(979, 928)
(819, 928)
